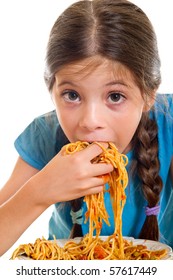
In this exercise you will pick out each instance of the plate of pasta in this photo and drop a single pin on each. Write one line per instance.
(98, 248)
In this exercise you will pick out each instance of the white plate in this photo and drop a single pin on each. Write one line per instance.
(155, 245)
(151, 245)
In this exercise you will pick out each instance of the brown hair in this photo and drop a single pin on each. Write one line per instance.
(119, 31)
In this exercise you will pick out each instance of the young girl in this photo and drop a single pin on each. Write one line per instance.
(103, 72)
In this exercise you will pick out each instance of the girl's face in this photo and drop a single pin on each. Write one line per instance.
(100, 103)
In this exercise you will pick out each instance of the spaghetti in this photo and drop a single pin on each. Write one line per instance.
(92, 247)
(98, 249)
(117, 181)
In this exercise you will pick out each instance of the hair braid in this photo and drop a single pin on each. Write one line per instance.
(76, 229)
(147, 168)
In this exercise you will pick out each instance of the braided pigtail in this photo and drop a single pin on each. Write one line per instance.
(76, 214)
(147, 167)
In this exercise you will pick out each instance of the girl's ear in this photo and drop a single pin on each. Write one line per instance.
(149, 101)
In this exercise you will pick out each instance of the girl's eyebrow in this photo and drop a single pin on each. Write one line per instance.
(112, 83)
(117, 82)
(66, 83)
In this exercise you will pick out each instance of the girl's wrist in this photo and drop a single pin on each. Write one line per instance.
(38, 191)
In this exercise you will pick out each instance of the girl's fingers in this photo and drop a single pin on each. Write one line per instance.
(93, 150)
(84, 158)
(94, 190)
(89, 152)
(104, 177)
(94, 183)
(100, 169)
(89, 191)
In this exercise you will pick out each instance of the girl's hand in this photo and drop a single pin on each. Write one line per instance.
(68, 177)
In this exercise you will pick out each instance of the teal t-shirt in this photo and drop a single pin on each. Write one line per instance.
(44, 138)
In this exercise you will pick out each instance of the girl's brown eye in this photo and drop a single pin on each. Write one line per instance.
(115, 97)
(71, 95)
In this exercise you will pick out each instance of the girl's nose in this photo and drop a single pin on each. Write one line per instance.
(91, 118)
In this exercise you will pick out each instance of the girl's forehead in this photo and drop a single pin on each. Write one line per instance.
(96, 64)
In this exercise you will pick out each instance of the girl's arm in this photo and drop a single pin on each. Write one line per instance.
(17, 207)
(22, 172)
(29, 192)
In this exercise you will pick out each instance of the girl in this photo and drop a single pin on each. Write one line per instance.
(103, 72)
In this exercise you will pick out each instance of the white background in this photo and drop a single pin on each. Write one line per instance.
(24, 31)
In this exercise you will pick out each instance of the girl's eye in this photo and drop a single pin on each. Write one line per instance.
(116, 97)
(71, 96)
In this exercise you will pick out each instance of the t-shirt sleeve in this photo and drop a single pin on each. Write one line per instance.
(171, 116)
(167, 123)
(164, 117)
(37, 143)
